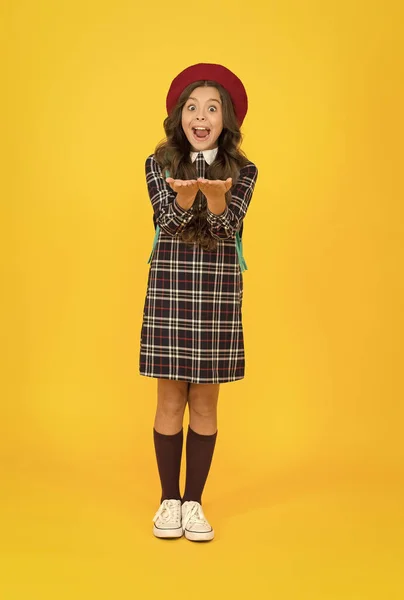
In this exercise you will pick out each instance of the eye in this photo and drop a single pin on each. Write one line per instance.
(191, 106)
(214, 108)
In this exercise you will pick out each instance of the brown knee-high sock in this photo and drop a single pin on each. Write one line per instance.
(168, 453)
(199, 458)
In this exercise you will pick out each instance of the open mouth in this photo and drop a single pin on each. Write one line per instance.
(201, 134)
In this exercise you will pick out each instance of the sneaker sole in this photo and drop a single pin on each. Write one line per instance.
(168, 533)
(199, 536)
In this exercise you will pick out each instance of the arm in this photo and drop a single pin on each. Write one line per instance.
(170, 216)
(226, 224)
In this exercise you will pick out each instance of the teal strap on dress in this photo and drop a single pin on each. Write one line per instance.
(156, 237)
(239, 247)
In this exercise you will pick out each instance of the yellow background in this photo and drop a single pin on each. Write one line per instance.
(305, 491)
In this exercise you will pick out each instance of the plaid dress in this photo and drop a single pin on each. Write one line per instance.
(192, 321)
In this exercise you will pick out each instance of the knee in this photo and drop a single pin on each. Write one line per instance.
(203, 402)
(171, 407)
(202, 410)
(172, 399)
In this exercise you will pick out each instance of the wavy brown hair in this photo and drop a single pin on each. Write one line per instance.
(173, 154)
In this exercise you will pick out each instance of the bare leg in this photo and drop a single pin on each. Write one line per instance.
(203, 400)
(171, 401)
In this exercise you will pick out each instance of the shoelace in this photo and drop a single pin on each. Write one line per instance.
(195, 515)
(168, 510)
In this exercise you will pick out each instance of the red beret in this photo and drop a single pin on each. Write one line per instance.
(210, 72)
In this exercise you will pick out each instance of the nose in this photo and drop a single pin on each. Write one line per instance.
(200, 114)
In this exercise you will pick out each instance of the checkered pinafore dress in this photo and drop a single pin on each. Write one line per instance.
(192, 321)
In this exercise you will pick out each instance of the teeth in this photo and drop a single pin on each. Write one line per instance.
(201, 128)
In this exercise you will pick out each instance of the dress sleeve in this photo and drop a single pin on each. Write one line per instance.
(229, 222)
(169, 215)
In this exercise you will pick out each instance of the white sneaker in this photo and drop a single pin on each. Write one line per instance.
(167, 520)
(194, 523)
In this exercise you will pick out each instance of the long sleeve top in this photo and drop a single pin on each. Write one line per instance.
(171, 217)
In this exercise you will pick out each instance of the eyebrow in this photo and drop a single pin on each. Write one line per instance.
(210, 99)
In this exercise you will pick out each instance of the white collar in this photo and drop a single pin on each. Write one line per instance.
(209, 155)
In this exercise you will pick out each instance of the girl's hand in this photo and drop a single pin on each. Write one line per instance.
(186, 191)
(185, 187)
(214, 188)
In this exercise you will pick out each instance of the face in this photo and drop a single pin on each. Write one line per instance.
(202, 118)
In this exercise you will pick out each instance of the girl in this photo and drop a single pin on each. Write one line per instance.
(200, 185)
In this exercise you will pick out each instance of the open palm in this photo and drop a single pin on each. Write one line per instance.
(214, 187)
(187, 187)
